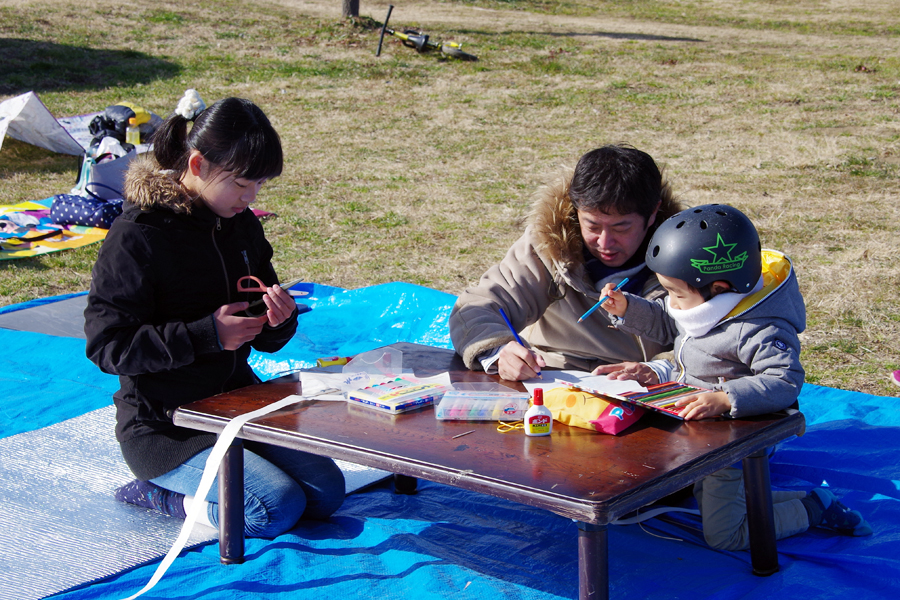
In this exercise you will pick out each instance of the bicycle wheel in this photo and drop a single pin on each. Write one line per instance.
(455, 52)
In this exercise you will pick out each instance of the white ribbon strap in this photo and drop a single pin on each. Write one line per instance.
(641, 517)
(206, 480)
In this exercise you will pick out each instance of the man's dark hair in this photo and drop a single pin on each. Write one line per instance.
(617, 178)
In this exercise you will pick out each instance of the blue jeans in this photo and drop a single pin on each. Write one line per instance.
(280, 486)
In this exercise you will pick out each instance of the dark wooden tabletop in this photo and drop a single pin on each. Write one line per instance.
(577, 473)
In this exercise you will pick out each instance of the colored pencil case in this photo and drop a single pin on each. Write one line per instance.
(577, 408)
(397, 395)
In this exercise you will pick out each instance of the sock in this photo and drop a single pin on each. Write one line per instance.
(150, 495)
(832, 514)
(813, 508)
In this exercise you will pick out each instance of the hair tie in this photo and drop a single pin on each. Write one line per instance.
(190, 105)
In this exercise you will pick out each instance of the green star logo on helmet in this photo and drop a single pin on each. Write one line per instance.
(722, 261)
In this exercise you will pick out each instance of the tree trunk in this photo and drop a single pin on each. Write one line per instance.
(349, 8)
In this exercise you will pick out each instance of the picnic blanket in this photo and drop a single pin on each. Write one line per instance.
(26, 230)
(446, 543)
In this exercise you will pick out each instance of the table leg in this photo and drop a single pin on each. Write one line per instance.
(760, 515)
(593, 562)
(404, 484)
(231, 505)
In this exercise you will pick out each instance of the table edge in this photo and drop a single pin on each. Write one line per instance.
(590, 511)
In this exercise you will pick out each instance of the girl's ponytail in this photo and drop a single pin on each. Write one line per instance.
(170, 146)
(234, 134)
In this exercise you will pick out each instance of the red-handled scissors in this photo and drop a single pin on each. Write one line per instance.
(245, 284)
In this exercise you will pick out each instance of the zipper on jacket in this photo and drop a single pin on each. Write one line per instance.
(246, 261)
(221, 260)
(640, 344)
(227, 295)
(679, 363)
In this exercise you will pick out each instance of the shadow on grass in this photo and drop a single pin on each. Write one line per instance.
(600, 34)
(29, 65)
(17, 157)
(626, 36)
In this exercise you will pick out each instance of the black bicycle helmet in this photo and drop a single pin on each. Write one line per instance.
(700, 245)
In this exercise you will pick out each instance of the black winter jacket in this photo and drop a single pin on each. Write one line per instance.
(158, 278)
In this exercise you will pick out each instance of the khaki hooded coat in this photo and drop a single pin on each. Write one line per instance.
(543, 287)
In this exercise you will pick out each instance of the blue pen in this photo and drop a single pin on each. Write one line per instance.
(600, 301)
(513, 330)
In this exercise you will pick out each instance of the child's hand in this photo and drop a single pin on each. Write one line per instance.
(704, 406)
(280, 305)
(236, 331)
(617, 303)
(628, 370)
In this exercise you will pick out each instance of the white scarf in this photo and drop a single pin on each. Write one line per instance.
(699, 320)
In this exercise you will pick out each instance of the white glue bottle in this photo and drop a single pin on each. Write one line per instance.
(538, 418)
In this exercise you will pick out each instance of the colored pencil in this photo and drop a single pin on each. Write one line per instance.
(601, 301)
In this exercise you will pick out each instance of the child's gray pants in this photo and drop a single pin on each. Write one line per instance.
(723, 510)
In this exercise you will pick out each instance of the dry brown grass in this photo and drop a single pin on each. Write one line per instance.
(409, 168)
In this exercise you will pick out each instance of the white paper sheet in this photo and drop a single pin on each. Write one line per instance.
(320, 385)
(555, 379)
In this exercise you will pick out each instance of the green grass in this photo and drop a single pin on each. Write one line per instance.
(416, 168)
(776, 15)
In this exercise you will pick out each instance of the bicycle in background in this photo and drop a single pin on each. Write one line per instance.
(421, 42)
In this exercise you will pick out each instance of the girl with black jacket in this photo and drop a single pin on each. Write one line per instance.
(165, 314)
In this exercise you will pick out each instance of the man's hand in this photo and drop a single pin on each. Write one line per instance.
(517, 363)
(235, 331)
(628, 370)
(704, 406)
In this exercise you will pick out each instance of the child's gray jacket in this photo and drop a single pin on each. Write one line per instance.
(753, 353)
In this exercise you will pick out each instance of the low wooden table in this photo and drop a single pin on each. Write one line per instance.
(588, 477)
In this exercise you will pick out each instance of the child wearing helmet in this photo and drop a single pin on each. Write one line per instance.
(734, 312)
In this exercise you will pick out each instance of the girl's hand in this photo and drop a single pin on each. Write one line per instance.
(280, 305)
(617, 303)
(628, 370)
(236, 331)
(704, 406)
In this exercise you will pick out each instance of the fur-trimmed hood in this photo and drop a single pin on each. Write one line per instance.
(147, 186)
(554, 220)
(543, 287)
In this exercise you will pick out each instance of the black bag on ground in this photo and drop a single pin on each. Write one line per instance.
(100, 128)
(114, 121)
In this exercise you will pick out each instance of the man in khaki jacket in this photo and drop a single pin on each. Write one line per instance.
(589, 227)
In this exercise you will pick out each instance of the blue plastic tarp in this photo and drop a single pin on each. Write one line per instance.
(47, 379)
(448, 543)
